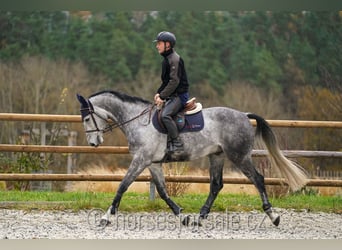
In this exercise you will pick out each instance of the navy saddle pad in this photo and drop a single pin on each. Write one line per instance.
(191, 123)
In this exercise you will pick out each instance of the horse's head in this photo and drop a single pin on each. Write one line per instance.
(95, 121)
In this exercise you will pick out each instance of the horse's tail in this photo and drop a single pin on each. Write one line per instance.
(293, 173)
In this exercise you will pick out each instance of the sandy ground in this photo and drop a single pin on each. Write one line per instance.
(18, 224)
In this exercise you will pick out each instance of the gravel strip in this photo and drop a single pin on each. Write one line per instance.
(36, 224)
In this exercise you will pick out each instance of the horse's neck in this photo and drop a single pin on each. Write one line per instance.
(128, 113)
(113, 109)
(121, 111)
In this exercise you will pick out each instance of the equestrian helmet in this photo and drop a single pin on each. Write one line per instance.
(166, 36)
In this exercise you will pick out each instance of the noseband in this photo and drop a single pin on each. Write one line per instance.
(111, 126)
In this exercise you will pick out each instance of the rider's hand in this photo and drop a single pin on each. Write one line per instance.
(158, 101)
(156, 97)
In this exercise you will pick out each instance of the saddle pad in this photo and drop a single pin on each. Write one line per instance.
(193, 123)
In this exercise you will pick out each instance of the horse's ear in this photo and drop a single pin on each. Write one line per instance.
(91, 105)
(82, 100)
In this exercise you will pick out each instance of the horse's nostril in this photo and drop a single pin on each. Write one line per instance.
(93, 144)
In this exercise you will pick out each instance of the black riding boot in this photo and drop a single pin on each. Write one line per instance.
(170, 109)
(176, 145)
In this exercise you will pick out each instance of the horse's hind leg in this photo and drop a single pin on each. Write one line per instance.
(216, 182)
(257, 179)
(159, 180)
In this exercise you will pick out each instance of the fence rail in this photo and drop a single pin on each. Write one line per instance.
(64, 149)
(77, 118)
(124, 150)
(147, 178)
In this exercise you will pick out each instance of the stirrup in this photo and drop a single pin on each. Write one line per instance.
(175, 145)
(177, 148)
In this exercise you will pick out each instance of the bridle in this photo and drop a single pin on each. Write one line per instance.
(110, 126)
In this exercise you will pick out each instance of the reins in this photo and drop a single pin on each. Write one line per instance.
(114, 125)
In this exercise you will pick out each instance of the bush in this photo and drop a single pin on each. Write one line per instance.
(176, 169)
(21, 163)
(2, 185)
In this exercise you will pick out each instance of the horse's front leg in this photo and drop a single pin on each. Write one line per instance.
(159, 180)
(138, 164)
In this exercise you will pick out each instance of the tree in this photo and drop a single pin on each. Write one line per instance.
(323, 30)
(267, 72)
(318, 103)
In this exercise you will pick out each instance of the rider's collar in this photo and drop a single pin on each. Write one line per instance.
(167, 52)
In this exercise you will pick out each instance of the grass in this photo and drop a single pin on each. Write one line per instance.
(139, 202)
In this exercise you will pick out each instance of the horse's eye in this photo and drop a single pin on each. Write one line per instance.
(86, 119)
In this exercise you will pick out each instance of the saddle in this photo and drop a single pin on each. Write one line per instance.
(189, 119)
(192, 107)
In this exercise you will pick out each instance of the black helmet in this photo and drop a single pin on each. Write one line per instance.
(166, 36)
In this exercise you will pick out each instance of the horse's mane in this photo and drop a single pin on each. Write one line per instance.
(123, 97)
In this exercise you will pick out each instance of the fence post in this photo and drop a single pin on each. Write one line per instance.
(43, 138)
(72, 136)
(152, 191)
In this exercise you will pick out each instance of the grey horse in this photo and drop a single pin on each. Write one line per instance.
(227, 133)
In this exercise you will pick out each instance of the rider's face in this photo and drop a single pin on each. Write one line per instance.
(162, 46)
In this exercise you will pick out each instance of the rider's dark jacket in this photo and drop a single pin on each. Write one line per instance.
(173, 76)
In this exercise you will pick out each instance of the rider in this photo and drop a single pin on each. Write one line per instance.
(174, 87)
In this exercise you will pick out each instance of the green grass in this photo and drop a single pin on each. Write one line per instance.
(137, 202)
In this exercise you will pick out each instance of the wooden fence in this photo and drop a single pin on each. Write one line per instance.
(77, 118)
(124, 150)
(147, 178)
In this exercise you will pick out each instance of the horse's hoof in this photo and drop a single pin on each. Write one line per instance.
(196, 224)
(276, 221)
(104, 223)
(275, 218)
(113, 210)
(186, 220)
(203, 215)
